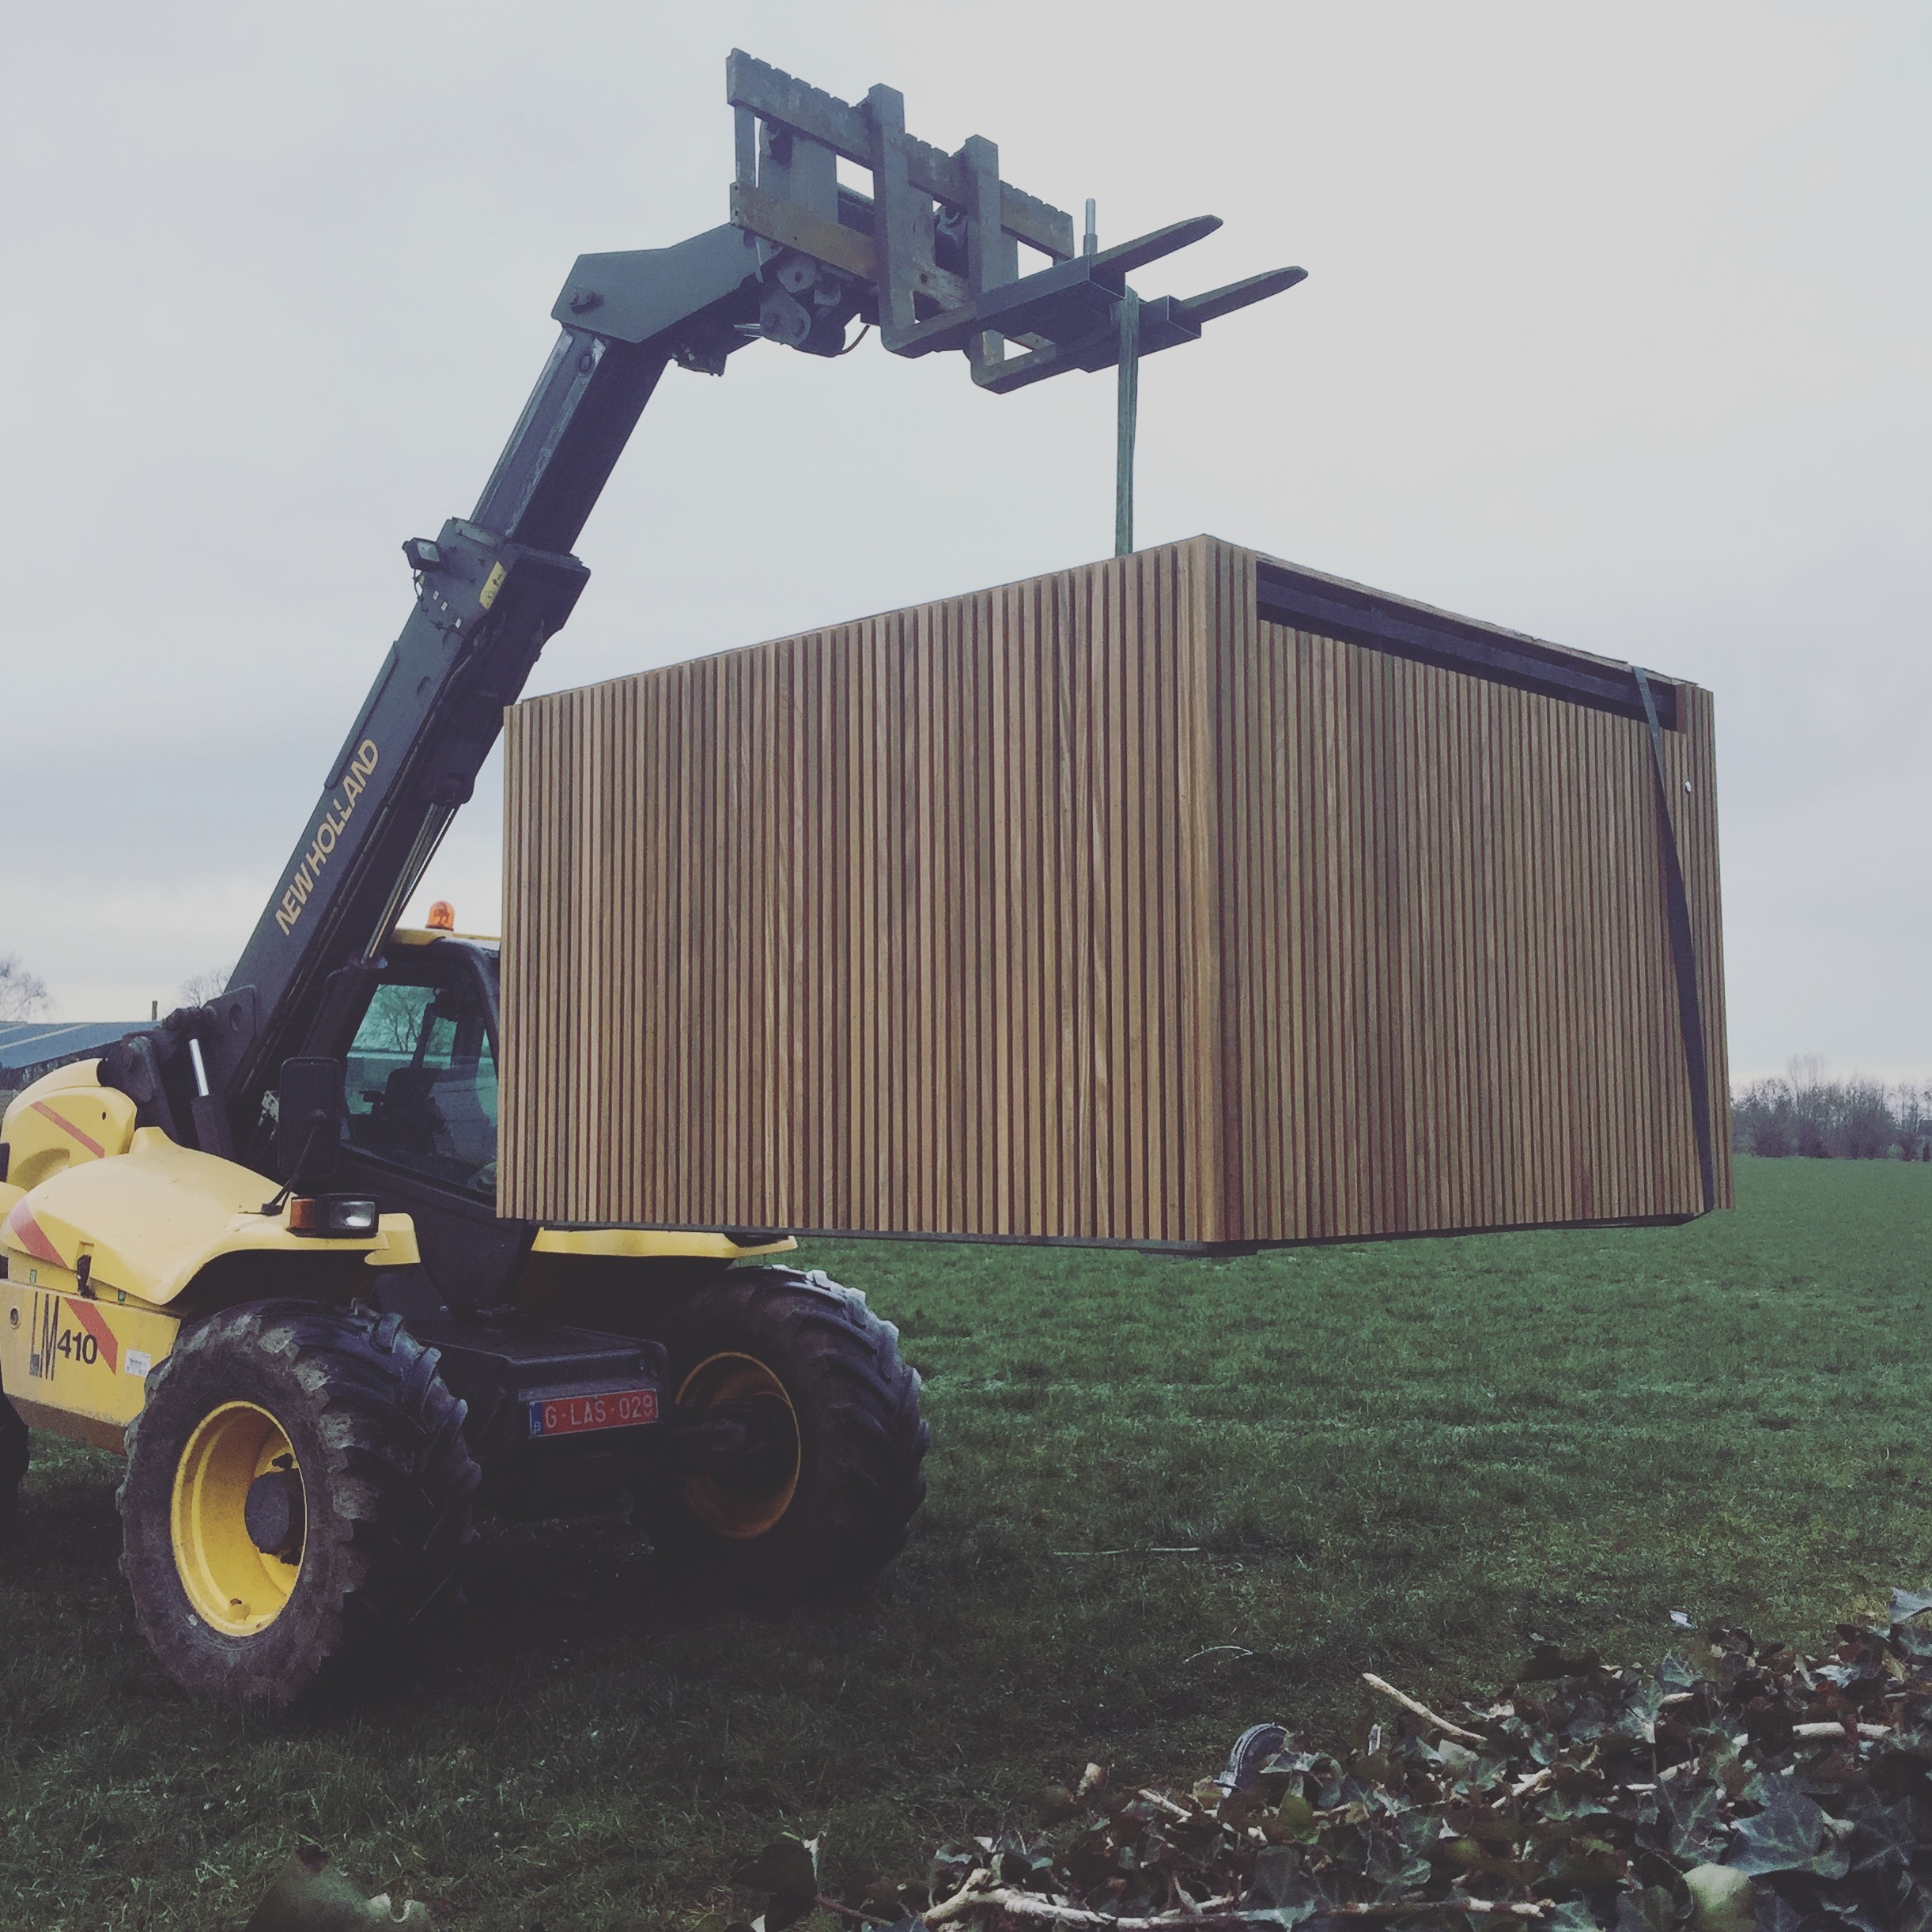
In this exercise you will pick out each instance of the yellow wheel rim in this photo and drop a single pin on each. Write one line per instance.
(234, 1587)
(734, 1510)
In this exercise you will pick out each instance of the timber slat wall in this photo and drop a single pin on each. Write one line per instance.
(1098, 908)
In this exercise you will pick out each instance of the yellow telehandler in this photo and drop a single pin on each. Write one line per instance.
(255, 1246)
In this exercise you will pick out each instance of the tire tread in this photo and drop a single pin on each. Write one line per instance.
(875, 1439)
(397, 1492)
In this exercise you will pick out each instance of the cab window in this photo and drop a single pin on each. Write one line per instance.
(420, 1084)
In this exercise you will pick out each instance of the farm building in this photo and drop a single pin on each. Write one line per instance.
(31, 1048)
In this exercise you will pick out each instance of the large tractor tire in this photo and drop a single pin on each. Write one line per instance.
(13, 1468)
(298, 1494)
(836, 1407)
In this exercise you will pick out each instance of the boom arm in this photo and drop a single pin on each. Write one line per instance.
(931, 258)
(490, 591)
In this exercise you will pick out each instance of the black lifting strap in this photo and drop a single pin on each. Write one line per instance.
(1683, 953)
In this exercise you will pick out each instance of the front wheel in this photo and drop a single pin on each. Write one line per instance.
(298, 1491)
(815, 1382)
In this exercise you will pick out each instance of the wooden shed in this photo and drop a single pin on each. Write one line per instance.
(1187, 899)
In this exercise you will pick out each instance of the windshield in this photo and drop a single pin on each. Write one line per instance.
(420, 1080)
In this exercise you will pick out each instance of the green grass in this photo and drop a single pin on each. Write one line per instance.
(1406, 1457)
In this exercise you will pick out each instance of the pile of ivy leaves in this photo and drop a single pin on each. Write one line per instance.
(1752, 1789)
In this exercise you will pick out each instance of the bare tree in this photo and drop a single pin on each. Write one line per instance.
(1812, 1109)
(1806, 1072)
(1866, 1127)
(1762, 1120)
(22, 995)
(200, 988)
(393, 1023)
(1915, 1116)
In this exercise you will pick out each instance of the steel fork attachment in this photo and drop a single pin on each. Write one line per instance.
(933, 252)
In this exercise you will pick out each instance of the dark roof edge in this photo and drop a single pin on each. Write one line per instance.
(1437, 613)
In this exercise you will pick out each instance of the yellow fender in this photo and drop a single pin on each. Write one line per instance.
(64, 1118)
(150, 1220)
(638, 1244)
(113, 1223)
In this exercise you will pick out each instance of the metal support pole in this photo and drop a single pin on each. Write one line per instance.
(1130, 409)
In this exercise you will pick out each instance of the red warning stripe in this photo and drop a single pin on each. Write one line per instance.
(60, 1119)
(23, 1227)
(96, 1323)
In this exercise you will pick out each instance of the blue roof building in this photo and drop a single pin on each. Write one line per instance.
(29, 1048)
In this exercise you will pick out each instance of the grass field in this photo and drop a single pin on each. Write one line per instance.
(1405, 1458)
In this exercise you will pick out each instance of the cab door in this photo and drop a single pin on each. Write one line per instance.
(419, 1127)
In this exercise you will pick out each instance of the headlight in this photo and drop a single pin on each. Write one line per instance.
(353, 1216)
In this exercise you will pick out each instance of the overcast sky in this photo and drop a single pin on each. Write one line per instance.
(1616, 331)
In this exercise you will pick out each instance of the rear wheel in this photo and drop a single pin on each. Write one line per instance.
(12, 1466)
(298, 1490)
(829, 1410)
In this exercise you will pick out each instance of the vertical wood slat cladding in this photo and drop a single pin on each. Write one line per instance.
(1101, 908)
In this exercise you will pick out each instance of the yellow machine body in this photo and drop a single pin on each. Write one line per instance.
(105, 1227)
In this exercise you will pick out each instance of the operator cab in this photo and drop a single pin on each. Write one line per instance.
(420, 1085)
(419, 1123)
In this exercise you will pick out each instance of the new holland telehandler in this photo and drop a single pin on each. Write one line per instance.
(255, 1246)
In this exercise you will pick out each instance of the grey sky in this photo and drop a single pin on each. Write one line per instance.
(1616, 332)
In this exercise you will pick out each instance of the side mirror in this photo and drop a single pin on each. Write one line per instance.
(308, 1131)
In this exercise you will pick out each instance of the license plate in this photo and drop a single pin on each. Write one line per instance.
(573, 1414)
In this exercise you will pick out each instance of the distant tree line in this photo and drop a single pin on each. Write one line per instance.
(22, 996)
(1855, 1119)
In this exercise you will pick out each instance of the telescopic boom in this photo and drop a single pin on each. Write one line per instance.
(931, 258)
